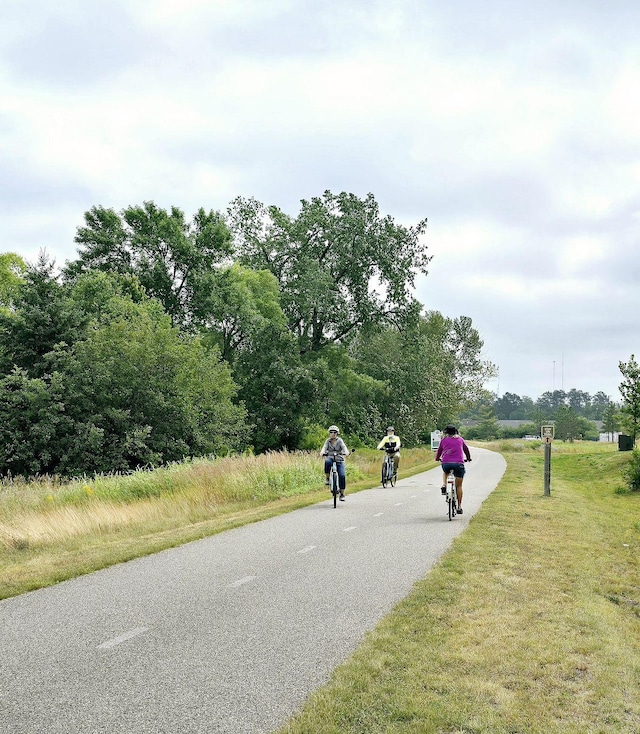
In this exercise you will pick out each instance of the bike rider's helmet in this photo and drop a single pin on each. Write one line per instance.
(390, 428)
(451, 430)
(334, 429)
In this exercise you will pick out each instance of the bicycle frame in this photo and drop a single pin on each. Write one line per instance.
(388, 467)
(334, 481)
(451, 496)
(388, 470)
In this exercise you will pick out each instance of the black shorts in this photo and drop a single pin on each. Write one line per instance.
(458, 469)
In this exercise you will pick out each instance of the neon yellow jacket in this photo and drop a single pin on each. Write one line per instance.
(390, 439)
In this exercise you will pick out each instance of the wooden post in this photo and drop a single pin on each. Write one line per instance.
(547, 468)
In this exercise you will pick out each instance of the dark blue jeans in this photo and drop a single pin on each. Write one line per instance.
(342, 475)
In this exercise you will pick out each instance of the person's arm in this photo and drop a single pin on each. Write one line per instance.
(399, 441)
(382, 443)
(467, 453)
(439, 451)
(345, 450)
(323, 450)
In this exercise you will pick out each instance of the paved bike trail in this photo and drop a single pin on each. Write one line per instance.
(230, 633)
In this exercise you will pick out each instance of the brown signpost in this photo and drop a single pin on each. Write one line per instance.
(546, 433)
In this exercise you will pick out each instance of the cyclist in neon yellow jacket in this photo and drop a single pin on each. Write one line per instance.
(392, 443)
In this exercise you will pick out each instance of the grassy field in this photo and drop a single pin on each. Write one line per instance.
(529, 624)
(52, 531)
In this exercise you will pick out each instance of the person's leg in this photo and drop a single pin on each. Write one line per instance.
(342, 477)
(459, 491)
(327, 469)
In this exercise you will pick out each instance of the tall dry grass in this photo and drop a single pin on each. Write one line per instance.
(52, 530)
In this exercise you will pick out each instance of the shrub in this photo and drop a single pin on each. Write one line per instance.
(631, 472)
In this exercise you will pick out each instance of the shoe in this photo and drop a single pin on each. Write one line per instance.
(326, 481)
(459, 510)
(341, 496)
(443, 489)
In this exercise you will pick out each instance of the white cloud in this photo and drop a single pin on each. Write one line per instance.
(511, 127)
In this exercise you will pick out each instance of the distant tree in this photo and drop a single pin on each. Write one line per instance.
(630, 391)
(549, 402)
(326, 260)
(579, 400)
(611, 420)
(566, 424)
(488, 427)
(172, 258)
(485, 399)
(599, 406)
(527, 410)
(508, 406)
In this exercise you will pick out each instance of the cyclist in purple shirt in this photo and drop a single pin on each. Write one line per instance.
(453, 452)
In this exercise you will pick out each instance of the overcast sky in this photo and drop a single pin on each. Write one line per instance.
(514, 127)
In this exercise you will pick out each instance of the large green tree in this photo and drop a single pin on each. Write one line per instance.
(341, 266)
(173, 259)
(433, 369)
(129, 390)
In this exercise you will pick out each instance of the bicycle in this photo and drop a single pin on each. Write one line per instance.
(450, 495)
(334, 484)
(389, 473)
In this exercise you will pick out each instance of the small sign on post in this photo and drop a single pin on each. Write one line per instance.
(546, 433)
(435, 439)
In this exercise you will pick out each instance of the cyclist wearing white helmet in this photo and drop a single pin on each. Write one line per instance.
(335, 448)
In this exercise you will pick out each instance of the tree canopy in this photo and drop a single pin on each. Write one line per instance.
(173, 259)
(340, 265)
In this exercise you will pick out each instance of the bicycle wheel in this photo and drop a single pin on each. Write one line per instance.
(334, 487)
(451, 505)
(384, 475)
(393, 476)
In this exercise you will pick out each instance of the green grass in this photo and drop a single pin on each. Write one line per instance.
(529, 624)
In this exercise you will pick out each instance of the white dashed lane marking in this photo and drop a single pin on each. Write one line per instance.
(240, 582)
(307, 549)
(379, 514)
(122, 638)
(351, 527)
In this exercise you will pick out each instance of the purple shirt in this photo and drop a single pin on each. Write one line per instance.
(452, 450)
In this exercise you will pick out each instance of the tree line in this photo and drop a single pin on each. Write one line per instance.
(169, 337)
(574, 413)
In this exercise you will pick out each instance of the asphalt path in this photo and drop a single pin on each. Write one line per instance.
(230, 633)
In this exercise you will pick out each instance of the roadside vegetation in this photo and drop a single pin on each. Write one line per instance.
(51, 530)
(530, 623)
